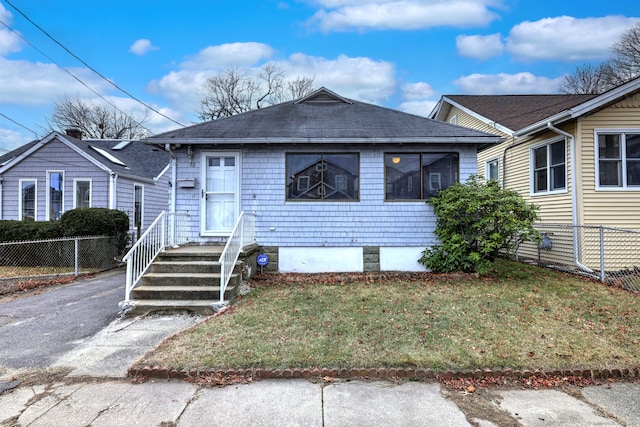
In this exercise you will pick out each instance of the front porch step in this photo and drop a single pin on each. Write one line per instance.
(181, 279)
(205, 293)
(140, 307)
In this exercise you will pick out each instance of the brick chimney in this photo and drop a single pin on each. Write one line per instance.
(74, 133)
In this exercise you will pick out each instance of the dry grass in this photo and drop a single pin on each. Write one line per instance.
(519, 317)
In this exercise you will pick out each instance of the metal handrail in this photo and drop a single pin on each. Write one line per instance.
(243, 233)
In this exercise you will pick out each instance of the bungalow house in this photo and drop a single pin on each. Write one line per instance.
(575, 156)
(334, 184)
(41, 180)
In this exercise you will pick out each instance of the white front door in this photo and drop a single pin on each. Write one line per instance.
(220, 192)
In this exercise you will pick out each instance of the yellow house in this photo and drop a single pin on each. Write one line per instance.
(577, 157)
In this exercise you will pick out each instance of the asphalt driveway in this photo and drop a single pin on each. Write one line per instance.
(36, 329)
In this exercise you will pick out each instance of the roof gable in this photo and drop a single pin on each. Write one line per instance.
(319, 118)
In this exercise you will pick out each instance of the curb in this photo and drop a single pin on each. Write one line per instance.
(229, 376)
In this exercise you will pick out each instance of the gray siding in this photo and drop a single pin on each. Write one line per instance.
(368, 222)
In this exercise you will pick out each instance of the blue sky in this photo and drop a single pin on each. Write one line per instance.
(403, 54)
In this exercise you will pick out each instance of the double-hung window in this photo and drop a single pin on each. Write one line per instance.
(417, 176)
(331, 176)
(618, 159)
(55, 195)
(82, 193)
(492, 171)
(28, 200)
(549, 167)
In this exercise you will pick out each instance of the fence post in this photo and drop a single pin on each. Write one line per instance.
(76, 256)
(602, 272)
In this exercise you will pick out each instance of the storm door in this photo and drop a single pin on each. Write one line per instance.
(220, 192)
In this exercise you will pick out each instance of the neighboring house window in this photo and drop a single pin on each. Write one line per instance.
(331, 176)
(417, 176)
(549, 166)
(618, 159)
(138, 207)
(82, 193)
(492, 171)
(453, 120)
(28, 200)
(55, 195)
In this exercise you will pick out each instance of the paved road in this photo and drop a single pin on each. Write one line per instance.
(36, 330)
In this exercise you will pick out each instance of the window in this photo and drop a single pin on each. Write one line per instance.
(453, 120)
(549, 166)
(618, 159)
(28, 199)
(82, 193)
(322, 176)
(138, 213)
(492, 171)
(55, 195)
(416, 176)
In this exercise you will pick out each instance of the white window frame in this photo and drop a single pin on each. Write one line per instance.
(48, 194)
(75, 191)
(532, 186)
(453, 120)
(623, 158)
(35, 198)
(487, 166)
(141, 186)
(437, 181)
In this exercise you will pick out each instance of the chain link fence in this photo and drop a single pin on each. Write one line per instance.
(25, 264)
(611, 255)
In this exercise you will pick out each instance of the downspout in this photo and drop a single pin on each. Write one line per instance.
(1, 211)
(172, 198)
(574, 194)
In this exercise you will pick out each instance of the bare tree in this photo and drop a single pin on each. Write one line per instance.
(234, 92)
(96, 121)
(588, 79)
(626, 61)
(624, 66)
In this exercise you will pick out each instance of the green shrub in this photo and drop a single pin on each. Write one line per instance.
(96, 222)
(16, 231)
(475, 222)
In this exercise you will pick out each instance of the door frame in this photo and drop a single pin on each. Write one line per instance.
(203, 187)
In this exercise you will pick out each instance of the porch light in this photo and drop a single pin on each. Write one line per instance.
(395, 160)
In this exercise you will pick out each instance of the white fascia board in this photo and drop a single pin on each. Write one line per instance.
(437, 110)
(27, 153)
(85, 155)
(157, 178)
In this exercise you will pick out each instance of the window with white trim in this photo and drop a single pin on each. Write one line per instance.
(81, 193)
(549, 167)
(27, 201)
(492, 170)
(55, 195)
(618, 159)
(138, 206)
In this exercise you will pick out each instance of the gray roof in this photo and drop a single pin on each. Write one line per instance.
(518, 111)
(139, 159)
(322, 117)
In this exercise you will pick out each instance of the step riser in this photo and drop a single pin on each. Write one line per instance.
(159, 281)
(165, 267)
(179, 295)
(163, 256)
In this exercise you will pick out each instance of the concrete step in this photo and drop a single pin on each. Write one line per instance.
(205, 293)
(185, 267)
(196, 306)
(195, 253)
(185, 279)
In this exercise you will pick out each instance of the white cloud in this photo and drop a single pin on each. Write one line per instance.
(480, 47)
(566, 38)
(142, 47)
(35, 83)
(359, 78)
(417, 91)
(229, 55)
(346, 15)
(10, 140)
(9, 41)
(419, 108)
(498, 84)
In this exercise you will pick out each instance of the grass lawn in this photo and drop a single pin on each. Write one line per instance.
(518, 316)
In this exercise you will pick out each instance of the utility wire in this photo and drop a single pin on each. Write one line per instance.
(73, 75)
(19, 124)
(90, 67)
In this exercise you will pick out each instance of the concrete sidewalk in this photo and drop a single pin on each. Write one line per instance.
(97, 393)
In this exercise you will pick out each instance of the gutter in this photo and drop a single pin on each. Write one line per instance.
(574, 195)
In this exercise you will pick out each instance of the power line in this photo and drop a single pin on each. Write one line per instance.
(19, 124)
(90, 67)
(73, 75)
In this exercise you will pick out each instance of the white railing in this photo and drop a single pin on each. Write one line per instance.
(243, 234)
(169, 229)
